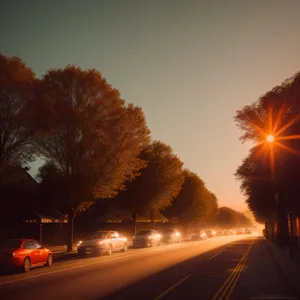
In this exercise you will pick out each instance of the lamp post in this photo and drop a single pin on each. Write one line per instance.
(270, 139)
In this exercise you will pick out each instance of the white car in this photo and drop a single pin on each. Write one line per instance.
(102, 242)
(146, 238)
(199, 235)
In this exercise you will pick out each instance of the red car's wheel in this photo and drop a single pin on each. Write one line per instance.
(26, 264)
(49, 260)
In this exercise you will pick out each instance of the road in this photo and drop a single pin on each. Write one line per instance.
(177, 271)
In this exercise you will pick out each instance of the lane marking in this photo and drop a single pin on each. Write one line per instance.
(215, 255)
(234, 283)
(228, 281)
(226, 285)
(160, 296)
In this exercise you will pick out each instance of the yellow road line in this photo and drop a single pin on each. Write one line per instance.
(229, 288)
(172, 287)
(221, 292)
(238, 275)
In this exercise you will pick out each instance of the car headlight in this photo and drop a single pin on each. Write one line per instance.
(100, 242)
(79, 243)
(177, 233)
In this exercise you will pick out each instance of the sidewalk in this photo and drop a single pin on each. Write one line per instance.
(268, 274)
(290, 267)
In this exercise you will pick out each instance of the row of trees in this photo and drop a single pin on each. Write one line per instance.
(269, 174)
(95, 146)
(229, 218)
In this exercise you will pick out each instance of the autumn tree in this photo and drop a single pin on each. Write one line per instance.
(158, 184)
(194, 203)
(243, 221)
(91, 136)
(227, 217)
(16, 94)
(212, 207)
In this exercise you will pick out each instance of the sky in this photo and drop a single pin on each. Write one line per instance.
(189, 64)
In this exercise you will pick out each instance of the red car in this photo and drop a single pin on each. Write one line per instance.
(24, 254)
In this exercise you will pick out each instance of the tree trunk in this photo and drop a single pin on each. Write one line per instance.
(152, 218)
(134, 215)
(70, 232)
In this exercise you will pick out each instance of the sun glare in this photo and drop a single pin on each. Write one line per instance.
(274, 136)
(270, 138)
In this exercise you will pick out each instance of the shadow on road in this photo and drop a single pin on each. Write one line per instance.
(208, 275)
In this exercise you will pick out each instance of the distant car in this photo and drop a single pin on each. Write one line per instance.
(146, 238)
(248, 231)
(24, 254)
(228, 232)
(171, 235)
(102, 242)
(219, 232)
(199, 235)
(211, 233)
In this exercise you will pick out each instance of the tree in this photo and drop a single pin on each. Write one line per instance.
(229, 218)
(243, 221)
(194, 203)
(91, 136)
(158, 184)
(16, 93)
(212, 207)
(256, 184)
(272, 168)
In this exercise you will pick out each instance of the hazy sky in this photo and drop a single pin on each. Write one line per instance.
(189, 64)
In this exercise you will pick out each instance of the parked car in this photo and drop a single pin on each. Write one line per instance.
(147, 238)
(24, 254)
(248, 231)
(199, 235)
(171, 235)
(102, 242)
(219, 232)
(210, 233)
(228, 232)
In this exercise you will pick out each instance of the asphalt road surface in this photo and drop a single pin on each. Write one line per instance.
(178, 271)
